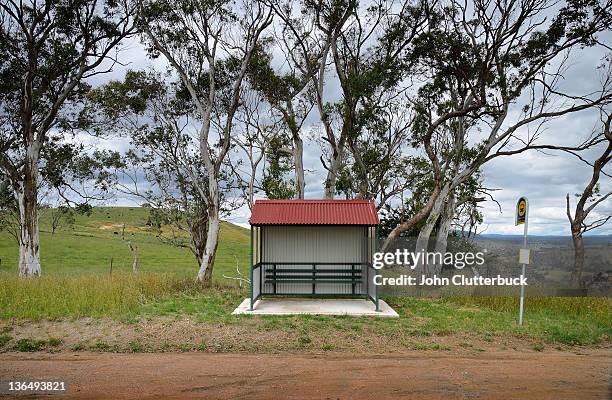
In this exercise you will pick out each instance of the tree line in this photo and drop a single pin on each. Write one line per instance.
(406, 100)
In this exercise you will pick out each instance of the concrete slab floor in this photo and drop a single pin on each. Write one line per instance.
(285, 306)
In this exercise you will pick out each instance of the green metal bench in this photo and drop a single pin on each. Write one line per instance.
(281, 275)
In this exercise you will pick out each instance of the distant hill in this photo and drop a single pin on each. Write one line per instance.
(591, 239)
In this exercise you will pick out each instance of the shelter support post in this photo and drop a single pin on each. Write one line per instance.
(251, 269)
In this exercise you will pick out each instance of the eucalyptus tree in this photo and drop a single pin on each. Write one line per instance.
(462, 210)
(48, 50)
(378, 166)
(327, 19)
(209, 45)
(274, 183)
(498, 66)
(361, 49)
(262, 146)
(156, 114)
(288, 90)
(60, 216)
(374, 115)
(304, 34)
(253, 136)
(588, 200)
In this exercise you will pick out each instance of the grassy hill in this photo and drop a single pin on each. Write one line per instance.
(76, 286)
(89, 245)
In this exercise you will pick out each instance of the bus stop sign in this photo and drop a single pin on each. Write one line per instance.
(521, 211)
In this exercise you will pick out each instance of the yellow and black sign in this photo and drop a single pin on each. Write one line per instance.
(521, 211)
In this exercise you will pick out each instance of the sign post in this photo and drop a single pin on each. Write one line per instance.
(522, 218)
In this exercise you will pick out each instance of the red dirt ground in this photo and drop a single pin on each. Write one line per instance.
(414, 375)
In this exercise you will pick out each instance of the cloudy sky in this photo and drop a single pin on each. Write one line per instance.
(544, 179)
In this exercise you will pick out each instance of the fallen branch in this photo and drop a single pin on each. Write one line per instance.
(239, 278)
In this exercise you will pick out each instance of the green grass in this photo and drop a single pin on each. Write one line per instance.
(76, 276)
(52, 297)
(213, 305)
(553, 319)
(569, 321)
(77, 283)
(131, 298)
(89, 245)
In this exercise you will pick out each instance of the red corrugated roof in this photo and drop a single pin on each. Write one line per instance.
(314, 212)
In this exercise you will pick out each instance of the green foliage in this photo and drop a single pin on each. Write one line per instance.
(78, 347)
(304, 339)
(135, 347)
(47, 49)
(130, 95)
(4, 339)
(275, 185)
(276, 89)
(102, 346)
(29, 345)
(421, 182)
(166, 20)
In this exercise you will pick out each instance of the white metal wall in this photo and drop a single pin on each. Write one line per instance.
(315, 244)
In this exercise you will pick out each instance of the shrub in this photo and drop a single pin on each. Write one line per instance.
(29, 345)
(4, 339)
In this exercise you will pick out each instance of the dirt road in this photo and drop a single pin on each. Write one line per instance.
(416, 375)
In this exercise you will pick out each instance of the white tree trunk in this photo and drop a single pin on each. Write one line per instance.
(251, 188)
(445, 224)
(26, 195)
(422, 243)
(298, 160)
(332, 173)
(212, 240)
(29, 248)
(212, 237)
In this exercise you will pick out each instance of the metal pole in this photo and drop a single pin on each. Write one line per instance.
(252, 302)
(522, 301)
